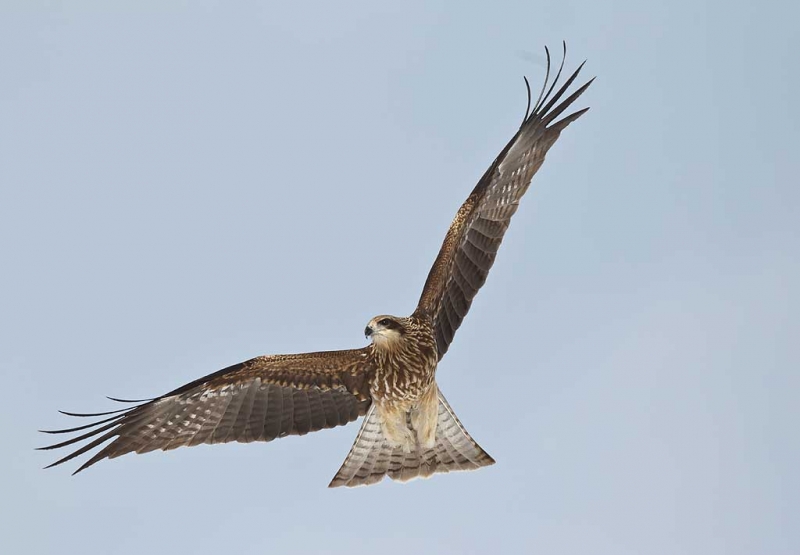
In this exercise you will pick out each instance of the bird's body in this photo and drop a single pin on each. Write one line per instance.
(404, 388)
(409, 429)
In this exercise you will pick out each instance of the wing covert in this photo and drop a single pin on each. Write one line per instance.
(261, 399)
(473, 239)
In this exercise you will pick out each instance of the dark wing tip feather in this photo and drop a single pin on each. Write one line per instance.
(551, 115)
(544, 84)
(129, 401)
(81, 437)
(552, 101)
(543, 107)
(85, 448)
(558, 74)
(84, 427)
(563, 122)
(551, 105)
(92, 414)
(528, 107)
(109, 425)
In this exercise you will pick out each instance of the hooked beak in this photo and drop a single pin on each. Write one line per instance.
(367, 332)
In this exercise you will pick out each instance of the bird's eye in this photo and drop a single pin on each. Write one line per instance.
(385, 322)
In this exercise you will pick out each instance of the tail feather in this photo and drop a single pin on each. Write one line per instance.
(365, 456)
(372, 457)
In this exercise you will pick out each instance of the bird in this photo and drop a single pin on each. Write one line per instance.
(409, 429)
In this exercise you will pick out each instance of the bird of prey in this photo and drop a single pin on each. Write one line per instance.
(409, 429)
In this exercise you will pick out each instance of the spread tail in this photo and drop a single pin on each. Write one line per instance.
(371, 457)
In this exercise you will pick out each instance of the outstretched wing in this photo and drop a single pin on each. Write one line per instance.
(258, 400)
(471, 243)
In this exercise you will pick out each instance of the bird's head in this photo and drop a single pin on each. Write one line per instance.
(386, 330)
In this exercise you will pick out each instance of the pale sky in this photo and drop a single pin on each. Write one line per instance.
(185, 185)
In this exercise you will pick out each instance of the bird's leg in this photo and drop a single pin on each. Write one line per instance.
(424, 416)
(396, 431)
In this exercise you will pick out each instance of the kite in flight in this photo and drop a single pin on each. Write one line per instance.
(409, 430)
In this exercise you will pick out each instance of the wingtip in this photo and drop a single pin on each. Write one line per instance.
(563, 123)
(58, 463)
(81, 468)
(130, 401)
(528, 107)
(92, 414)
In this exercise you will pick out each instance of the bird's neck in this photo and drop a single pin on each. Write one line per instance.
(416, 347)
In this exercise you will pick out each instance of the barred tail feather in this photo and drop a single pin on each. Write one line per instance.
(371, 457)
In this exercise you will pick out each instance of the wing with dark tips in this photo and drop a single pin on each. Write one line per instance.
(258, 400)
(474, 237)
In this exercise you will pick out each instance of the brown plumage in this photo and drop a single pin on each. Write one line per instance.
(409, 430)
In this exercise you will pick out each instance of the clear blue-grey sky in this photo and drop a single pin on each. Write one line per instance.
(187, 185)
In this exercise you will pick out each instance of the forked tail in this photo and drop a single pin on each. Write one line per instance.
(371, 457)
